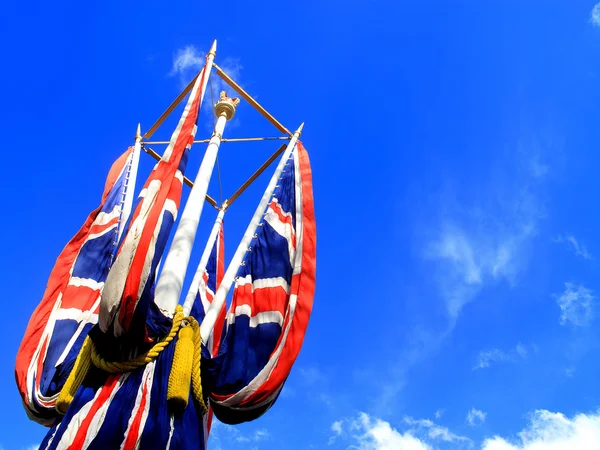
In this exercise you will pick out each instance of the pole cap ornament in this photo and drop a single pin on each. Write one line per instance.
(226, 106)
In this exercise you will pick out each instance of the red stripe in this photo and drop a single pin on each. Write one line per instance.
(79, 297)
(134, 431)
(57, 281)
(97, 229)
(170, 188)
(105, 392)
(303, 286)
(285, 219)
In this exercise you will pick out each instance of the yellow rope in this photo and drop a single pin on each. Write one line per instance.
(185, 367)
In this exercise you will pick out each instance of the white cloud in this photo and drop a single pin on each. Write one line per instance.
(487, 357)
(258, 435)
(577, 305)
(311, 375)
(439, 413)
(336, 428)
(484, 233)
(371, 433)
(475, 254)
(186, 59)
(552, 431)
(376, 434)
(577, 247)
(595, 16)
(433, 431)
(475, 417)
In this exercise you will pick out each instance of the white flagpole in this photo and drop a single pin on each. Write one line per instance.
(195, 286)
(130, 183)
(170, 284)
(207, 325)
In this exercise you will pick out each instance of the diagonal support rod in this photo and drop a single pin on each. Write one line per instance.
(170, 109)
(255, 175)
(186, 180)
(237, 88)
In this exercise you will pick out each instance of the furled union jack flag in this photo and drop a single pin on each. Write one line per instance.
(69, 307)
(272, 301)
(127, 298)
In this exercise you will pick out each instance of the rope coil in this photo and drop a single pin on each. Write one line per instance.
(185, 368)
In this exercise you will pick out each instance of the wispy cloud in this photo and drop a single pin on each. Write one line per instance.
(337, 429)
(439, 413)
(371, 433)
(258, 435)
(576, 305)
(595, 16)
(550, 431)
(433, 431)
(577, 247)
(487, 357)
(475, 417)
(187, 59)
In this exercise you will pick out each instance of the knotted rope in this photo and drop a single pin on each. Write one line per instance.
(185, 369)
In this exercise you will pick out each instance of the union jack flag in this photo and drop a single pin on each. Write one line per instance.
(129, 411)
(272, 301)
(127, 298)
(69, 307)
(264, 331)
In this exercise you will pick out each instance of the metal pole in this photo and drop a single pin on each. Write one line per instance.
(186, 180)
(204, 141)
(210, 318)
(170, 283)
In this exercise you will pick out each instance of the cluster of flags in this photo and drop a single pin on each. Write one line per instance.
(109, 295)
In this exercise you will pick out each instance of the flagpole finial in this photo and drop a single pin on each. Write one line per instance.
(226, 106)
(138, 133)
(299, 130)
(213, 49)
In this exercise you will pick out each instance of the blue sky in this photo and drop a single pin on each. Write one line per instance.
(454, 152)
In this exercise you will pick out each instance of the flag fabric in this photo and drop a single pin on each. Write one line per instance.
(127, 307)
(263, 333)
(272, 301)
(210, 281)
(69, 306)
(130, 411)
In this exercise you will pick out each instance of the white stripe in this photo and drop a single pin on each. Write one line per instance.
(285, 230)
(171, 430)
(256, 320)
(265, 373)
(86, 282)
(146, 383)
(175, 136)
(115, 281)
(262, 283)
(102, 233)
(76, 314)
(104, 217)
(171, 207)
(299, 211)
(179, 176)
(97, 421)
(77, 333)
